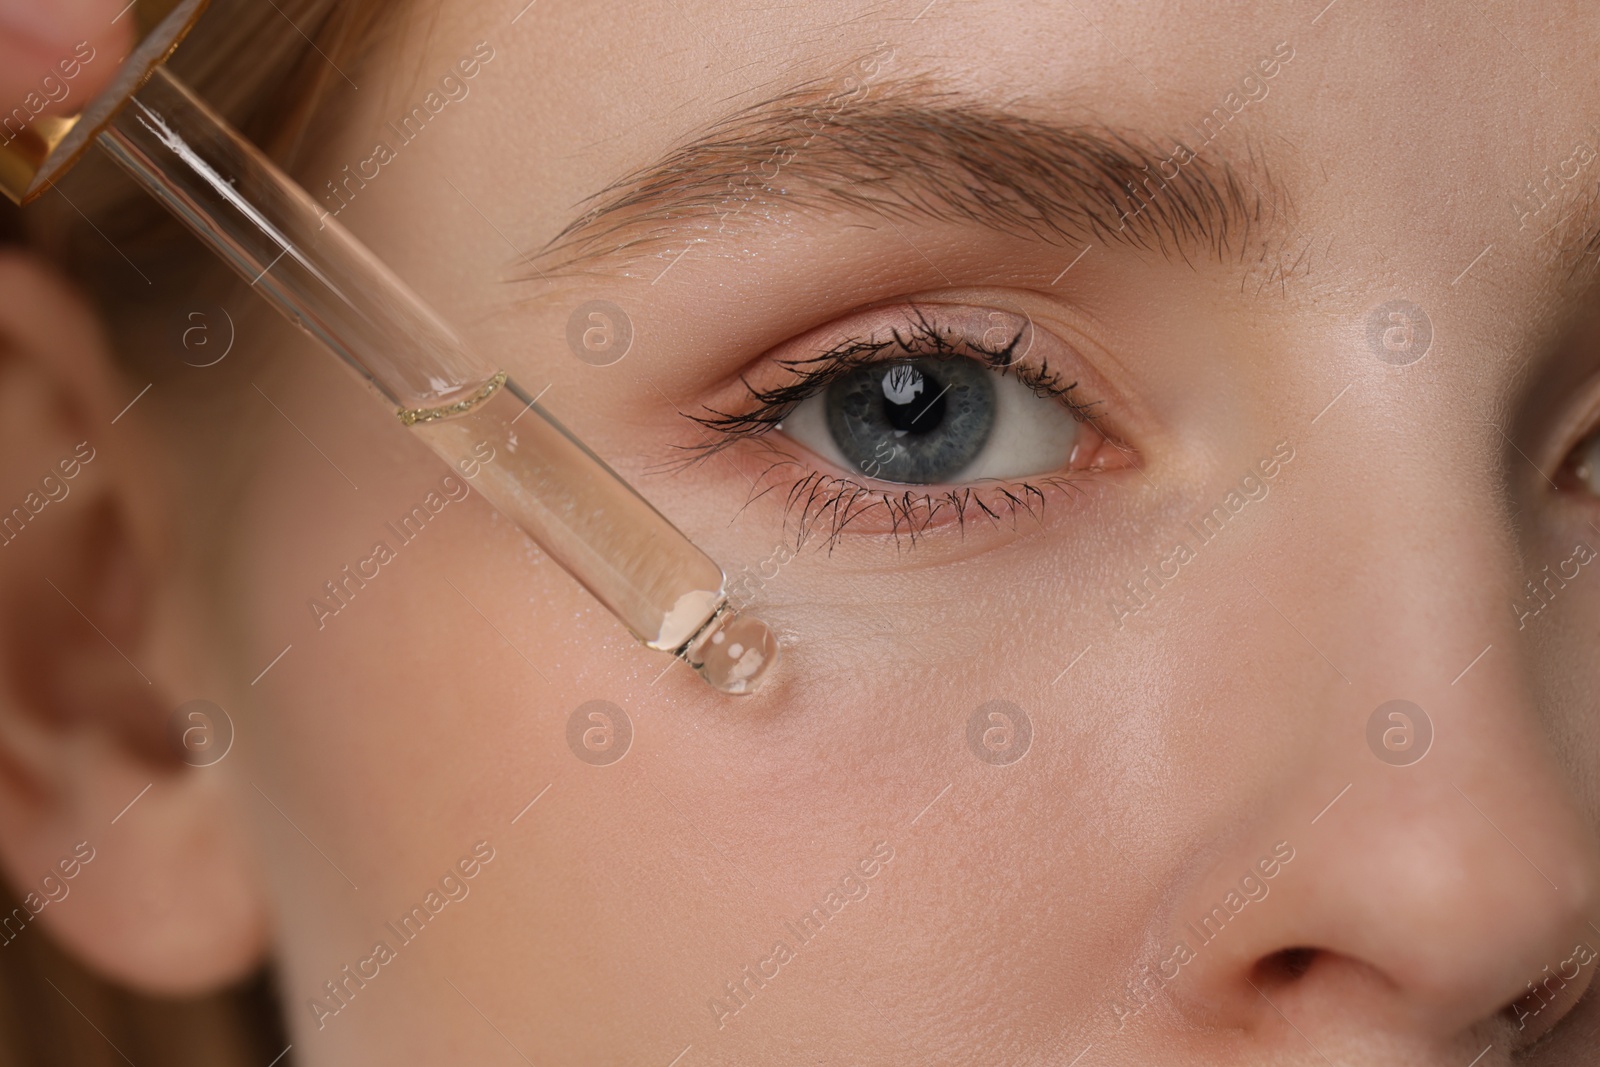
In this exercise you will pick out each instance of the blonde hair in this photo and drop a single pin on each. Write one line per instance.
(254, 62)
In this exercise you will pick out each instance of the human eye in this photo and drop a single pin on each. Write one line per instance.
(923, 414)
(1581, 470)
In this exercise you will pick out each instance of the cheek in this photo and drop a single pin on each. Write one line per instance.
(932, 699)
(430, 705)
(469, 668)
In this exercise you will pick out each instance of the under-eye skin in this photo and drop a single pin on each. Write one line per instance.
(938, 415)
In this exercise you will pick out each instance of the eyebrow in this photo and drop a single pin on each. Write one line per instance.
(903, 151)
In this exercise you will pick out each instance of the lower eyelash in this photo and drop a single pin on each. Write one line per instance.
(909, 513)
(839, 501)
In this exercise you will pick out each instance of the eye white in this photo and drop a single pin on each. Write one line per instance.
(1587, 464)
(1031, 434)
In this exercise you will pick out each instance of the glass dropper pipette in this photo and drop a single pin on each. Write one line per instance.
(663, 588)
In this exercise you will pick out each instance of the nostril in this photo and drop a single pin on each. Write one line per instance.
(1284, 966)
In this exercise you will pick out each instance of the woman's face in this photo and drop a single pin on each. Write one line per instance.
(1084, 747)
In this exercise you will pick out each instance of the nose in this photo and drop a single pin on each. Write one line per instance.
(1423, 862)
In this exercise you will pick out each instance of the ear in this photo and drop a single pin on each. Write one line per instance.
(134, 859)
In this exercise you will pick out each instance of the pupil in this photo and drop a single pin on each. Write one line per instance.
(912, 401)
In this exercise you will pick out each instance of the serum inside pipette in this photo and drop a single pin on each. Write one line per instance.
(631, 558)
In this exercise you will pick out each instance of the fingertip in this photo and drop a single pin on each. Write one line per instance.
(61, 24)
(57, 56)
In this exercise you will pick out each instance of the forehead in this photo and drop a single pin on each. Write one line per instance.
(1425, 145)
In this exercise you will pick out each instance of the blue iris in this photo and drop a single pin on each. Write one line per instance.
(919, 421)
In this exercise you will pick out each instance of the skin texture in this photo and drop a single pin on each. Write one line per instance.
(1217, 732)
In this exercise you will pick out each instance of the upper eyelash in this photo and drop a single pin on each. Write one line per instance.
(920, 337)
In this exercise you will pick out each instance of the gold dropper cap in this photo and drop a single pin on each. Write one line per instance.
(48, 145)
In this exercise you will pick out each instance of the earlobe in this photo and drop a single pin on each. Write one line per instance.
(132, 858)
